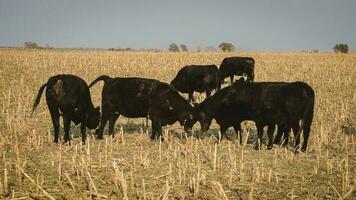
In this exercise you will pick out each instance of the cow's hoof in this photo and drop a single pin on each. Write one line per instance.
(269, 147)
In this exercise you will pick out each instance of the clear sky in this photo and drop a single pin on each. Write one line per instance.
(264, 25)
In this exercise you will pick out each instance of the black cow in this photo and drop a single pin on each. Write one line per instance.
(69, 96)
(197, 78)
(284, 104)
(225, 115)
(139, 97)
(239, 66)
(276, 103)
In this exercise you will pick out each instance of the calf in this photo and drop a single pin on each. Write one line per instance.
(197, 78)
(239, 66)
(276, 103)
(139, 97)
(69, 96)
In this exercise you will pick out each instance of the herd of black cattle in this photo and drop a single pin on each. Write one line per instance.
(288, 105)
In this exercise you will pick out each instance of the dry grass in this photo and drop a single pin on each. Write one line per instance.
(131, 166)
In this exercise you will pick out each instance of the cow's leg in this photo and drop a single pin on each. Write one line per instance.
(278, 137)
(53, 110)
(223, 133)
(260, 134)
(83, 127)
(237, 128)
(306, 132)
(270, 131)
(190, 96)
(286, 134)
(112, 121)
(99, 132)
(232, 79)
(156, 129)
(295, 128)
(296, 140)
(66, 126)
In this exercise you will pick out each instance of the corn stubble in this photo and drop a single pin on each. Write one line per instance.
(131, 166)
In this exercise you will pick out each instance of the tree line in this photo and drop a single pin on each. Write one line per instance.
(224, 46)
(173, 47)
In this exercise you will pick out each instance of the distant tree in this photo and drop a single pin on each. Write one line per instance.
(173, 47)
(47, 46)
(183, 47)
(225, 46)
(30, 45)
(341, 48)
(210, 49)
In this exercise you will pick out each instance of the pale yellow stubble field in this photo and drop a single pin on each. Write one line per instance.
(131, 165)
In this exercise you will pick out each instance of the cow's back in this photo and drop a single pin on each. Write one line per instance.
(237, 66)
(67, 89)
(274, 102)
(129, 96)
(197, 78)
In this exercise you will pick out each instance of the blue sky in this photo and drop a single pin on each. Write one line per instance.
(255, 25)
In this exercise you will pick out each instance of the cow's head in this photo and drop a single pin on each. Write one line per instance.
(93, 118)
(186, 119)
(200, 116)
(204, 121)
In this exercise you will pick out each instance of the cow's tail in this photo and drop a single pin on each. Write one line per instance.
(104, 78)
(38, 97)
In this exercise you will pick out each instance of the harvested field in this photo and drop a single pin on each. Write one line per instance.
(131, 166)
